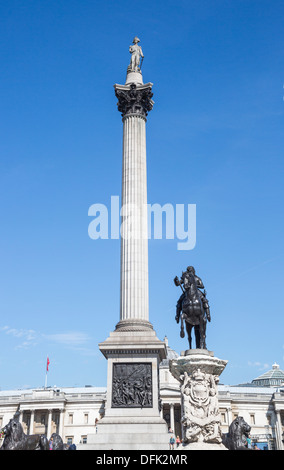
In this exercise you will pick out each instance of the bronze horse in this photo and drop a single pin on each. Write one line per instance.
(190, 308)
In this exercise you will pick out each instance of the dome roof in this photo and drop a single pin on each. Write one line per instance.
(171, 354)
(271, 378)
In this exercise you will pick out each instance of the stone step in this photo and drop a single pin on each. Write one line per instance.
(126, 441)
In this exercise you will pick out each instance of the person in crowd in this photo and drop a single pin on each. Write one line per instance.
(172, 442)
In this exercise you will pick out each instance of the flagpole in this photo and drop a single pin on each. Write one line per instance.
(46, 370)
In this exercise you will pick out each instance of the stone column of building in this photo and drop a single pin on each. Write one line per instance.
(279, 442)
(172, 417)
(32, 422)
(49, 423)
(61, 418)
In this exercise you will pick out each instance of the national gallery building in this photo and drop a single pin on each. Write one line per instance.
(75, 412)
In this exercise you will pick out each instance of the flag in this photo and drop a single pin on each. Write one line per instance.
(47, 364)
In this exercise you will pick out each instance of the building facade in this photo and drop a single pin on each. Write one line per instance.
(74, 412)
(70, 412)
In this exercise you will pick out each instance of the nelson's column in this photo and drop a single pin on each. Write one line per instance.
(132, 417)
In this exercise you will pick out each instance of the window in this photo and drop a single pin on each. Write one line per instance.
(69, 440)
(223, 418)
(84, 439)
(86, 418)
(56, 419)
(70, 419)
(252, 418)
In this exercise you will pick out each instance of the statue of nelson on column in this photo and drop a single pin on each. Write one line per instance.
(136, 54)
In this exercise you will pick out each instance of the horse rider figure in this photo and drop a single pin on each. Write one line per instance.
(192, 306)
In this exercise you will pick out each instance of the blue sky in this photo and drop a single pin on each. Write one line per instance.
(214, 139)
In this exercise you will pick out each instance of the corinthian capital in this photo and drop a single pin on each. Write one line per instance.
(134, 99)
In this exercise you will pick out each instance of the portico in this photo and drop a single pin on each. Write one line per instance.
(42, 412)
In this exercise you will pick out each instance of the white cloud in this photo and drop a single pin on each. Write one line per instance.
(29, 337)
(259, 365)
(71, 338)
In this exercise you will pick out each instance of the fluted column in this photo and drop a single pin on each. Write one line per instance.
(61, 419)
(172, 417)
(134, 244)
(279, 443)
(31, 430)
(134, 103)
(49, 423)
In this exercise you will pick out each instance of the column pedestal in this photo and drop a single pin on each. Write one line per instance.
(198, 372)
(132, 417)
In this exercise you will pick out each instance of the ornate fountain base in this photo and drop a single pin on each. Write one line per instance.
(198, 372)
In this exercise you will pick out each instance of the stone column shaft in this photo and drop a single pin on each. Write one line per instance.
(31, 430)
(278, 431)
(134, 242)
(61, 419)
(49, 423)
(172, 417)
(134, 102)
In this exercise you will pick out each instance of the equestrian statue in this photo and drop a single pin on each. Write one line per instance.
(192, 307)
